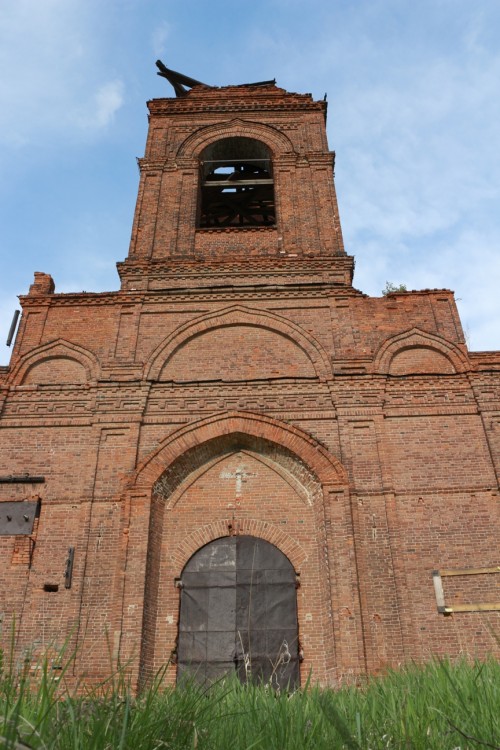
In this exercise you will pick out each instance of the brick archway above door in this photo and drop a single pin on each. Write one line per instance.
(180, 500)
(326, 467)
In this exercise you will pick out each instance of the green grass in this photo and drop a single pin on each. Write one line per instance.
(438, 706)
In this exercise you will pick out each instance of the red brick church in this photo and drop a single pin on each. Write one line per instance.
(239, 461)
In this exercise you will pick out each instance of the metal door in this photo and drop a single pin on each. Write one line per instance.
(239, 613)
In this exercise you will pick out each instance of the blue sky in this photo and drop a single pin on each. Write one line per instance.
(414, 116)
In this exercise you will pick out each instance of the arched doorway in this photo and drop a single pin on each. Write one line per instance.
(238, 613)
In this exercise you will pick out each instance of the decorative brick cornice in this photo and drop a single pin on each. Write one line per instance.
(263, 266)
(235, 99)
(260, 275)
(484, 361)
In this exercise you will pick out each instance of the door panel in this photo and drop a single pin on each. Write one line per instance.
(239, 613)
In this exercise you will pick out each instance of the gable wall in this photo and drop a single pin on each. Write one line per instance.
(375, 401)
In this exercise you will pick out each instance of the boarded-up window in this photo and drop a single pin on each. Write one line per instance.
(239, 613)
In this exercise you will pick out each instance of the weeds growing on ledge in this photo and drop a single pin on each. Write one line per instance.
(439, 706)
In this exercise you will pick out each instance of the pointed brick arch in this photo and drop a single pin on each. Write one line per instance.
(58, 349)
(276, 141)
(240, 315)
(199, 465)
(175, 532)
(327, 468)
(416, 338)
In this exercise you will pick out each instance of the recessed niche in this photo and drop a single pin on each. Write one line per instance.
(51, 587)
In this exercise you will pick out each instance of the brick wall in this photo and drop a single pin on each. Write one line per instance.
(367, 434)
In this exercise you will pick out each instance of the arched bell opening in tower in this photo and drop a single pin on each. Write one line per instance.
(237, 186)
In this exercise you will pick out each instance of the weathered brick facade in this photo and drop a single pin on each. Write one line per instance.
(366, 436)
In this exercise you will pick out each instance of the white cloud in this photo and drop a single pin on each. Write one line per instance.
(158, 38)
(102, 106)
(51, 62)
(413, 159)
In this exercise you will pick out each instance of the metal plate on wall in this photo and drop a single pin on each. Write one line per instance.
(239, 614)
(17, 518)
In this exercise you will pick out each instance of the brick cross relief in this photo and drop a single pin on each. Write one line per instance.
(240, 475)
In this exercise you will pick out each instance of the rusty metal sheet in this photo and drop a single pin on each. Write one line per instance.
(17, 518)
(239, 614)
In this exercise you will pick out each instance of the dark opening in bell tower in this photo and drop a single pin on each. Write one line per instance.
(237, 187)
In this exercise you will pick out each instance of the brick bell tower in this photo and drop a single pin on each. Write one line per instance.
(237, 231)
(238, 462)
(231, 174)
